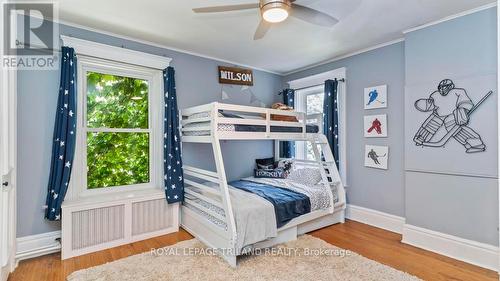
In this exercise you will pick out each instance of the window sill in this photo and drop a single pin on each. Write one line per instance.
(116, 197)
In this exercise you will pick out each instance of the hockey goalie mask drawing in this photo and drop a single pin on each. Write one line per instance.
(451, 109)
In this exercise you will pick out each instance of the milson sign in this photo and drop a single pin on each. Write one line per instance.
(235, 75)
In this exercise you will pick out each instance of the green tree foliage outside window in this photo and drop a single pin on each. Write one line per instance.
(117, 158)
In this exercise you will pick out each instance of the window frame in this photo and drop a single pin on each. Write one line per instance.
(154, 77)
(89, 51)
(317, 80)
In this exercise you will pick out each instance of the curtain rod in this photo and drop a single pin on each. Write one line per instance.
(322, 84)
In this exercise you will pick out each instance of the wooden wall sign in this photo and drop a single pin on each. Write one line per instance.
(235, 76)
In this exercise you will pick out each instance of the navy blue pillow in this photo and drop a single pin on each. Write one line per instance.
(266, 163)
(278, 173)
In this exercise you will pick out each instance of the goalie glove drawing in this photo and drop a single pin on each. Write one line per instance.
(451, 108)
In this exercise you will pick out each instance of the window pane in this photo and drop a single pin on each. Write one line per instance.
(116, 101)
(309, 151)
(314, 103)
(116, 159)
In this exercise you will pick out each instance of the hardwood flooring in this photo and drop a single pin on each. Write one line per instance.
(373, 243)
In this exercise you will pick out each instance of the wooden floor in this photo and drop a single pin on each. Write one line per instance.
(371, 242)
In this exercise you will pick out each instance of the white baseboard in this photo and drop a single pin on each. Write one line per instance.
(38, 245)
(375, 218)
(480, 254)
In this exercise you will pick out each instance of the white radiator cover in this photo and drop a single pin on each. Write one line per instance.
(94, 224)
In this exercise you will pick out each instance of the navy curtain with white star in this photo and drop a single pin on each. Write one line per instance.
(288, 147)
(63, 145)
(331, 117)
(174, 181)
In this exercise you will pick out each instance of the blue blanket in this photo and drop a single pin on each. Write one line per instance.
(287, 204)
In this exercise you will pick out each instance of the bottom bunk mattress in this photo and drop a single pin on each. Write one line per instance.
(256, 216)
(311, 129)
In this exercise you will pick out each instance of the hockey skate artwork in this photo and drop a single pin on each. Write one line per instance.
(450, 110)
(376, 156)
(375, 126)
(376, 97)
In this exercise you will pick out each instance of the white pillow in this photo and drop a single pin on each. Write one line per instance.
(305, 176)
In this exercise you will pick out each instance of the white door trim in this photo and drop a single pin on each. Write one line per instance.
(8, 132)
(498, 115)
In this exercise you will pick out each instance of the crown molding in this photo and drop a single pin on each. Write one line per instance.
(337, 58)
(358, 52)
(162, 46)
(448, 18)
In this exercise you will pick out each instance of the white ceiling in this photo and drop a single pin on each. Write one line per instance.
(288, 46)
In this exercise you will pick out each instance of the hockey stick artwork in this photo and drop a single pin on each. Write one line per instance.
(451, 107)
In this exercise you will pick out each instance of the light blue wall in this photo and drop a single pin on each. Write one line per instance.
(464, 50)
(197, 83)
(367, 187)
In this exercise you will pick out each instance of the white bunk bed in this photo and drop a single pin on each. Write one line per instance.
(204, 124)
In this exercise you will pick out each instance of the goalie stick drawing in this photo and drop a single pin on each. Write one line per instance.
(451, 107)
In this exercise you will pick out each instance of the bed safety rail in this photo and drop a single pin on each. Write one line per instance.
(204, 186)
(209, 124)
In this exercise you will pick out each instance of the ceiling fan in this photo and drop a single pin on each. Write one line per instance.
(274, 11)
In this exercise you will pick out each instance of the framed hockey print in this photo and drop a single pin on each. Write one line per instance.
(375, 126)
(375, 97)
(376, 156)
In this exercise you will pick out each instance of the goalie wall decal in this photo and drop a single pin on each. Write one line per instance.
(451, 109)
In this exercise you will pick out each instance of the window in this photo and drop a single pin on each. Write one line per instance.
(309, 100)
(309, 97)
(119, 138)
(117, 129)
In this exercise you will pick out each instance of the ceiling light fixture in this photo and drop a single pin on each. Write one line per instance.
(275, 11)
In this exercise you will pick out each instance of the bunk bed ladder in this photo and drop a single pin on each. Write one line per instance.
(328, 168)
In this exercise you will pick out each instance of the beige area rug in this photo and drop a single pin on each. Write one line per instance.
(307, 258)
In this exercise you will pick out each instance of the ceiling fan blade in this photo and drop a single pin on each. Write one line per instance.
(312, 16)
(261, 30)
(218, 9)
